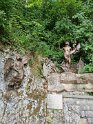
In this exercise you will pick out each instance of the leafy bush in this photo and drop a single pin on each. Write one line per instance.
(44, 25)
(87, 68)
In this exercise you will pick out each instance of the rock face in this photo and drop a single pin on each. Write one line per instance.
(25, 105)
(54, 98)
(19, 109)
(48, 67)
(14, 69)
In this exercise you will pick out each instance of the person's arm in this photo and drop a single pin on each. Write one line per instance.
(73, 51)
(76, 49)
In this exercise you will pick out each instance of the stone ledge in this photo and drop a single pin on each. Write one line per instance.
(70, 82)
(78, 96)
(69, 77)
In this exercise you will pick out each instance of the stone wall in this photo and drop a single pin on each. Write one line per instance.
(73, 109)
(68, 98)
(78, 109)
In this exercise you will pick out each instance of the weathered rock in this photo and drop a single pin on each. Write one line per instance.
(23, 109)
(8, 64)
(26, 58)
(68, 77)
(55, 116)
(13, 71)
(48, 67)
(70, 82)
(23, 105)
(54, 84)
(80, 65)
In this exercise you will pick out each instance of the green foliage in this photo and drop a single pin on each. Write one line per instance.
(87, 68)
(44, 25)
(2, 24)
(90, 93)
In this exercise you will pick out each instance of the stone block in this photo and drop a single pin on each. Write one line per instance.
(90, 120)
(54, 83)
(54, 101)
(82, 114)
(87, 107)
(70, 82)
(83, 121)
(89, 114)
(68, 77)
(78, 109)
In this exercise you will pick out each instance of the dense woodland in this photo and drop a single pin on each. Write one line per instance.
(43, 26)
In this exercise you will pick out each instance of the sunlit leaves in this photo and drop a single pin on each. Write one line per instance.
(31, 3)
